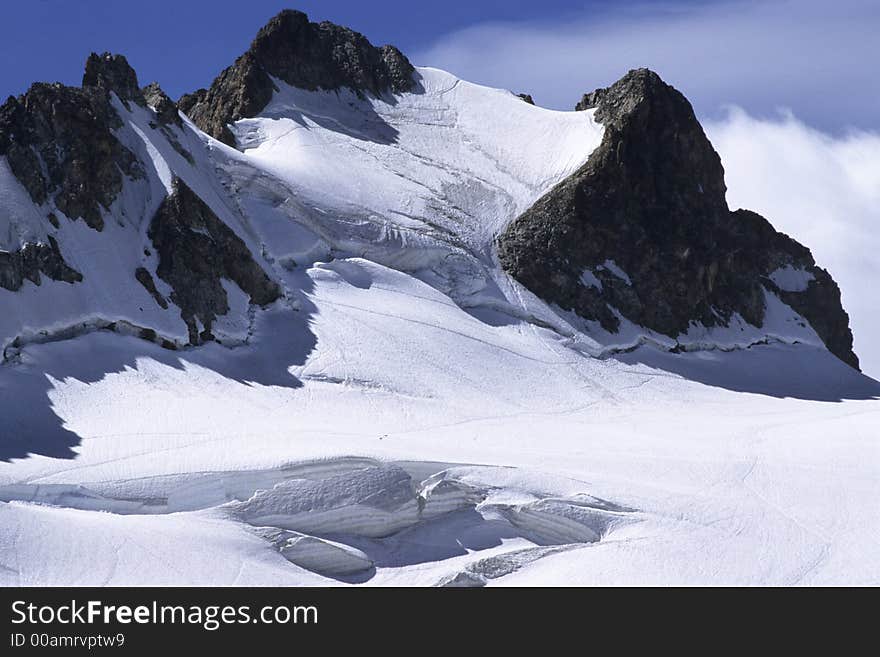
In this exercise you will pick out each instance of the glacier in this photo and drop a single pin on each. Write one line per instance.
(405, 413)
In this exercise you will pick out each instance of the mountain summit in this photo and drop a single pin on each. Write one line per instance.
(337, 319)
(651, 199)
(637, 240)
(304, 55)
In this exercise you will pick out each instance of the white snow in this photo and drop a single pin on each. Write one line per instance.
(406, 414)
(791, 279)
(588, 279)
(611, 266)
(673, 468)
(322, 556)
(462, 158)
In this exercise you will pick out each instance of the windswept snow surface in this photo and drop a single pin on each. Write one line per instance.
(418, 445)
(406, 415)
(454, 157)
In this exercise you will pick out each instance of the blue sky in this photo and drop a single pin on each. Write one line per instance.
(813, 57)
(184, 43)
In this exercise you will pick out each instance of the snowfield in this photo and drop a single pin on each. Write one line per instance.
(406, 414)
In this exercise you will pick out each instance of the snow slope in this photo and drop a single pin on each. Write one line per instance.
(107, 259)
(616, 470)
(406, 414)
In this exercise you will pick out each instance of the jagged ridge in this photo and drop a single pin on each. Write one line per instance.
(59, 140)
(303, 54)
(650, 200)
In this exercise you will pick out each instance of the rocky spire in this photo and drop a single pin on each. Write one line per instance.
(109, 72)
(651, 199)
(302, 54)
(165, 108)
(60, 142)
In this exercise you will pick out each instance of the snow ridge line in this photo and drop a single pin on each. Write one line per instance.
(571, 340)
(12, 349)
(680, 347)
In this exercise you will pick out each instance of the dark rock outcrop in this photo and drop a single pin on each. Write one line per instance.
(108, 72)
(303, 54)
(33, 260)
(145, 278)
(650, 203)
(527, 98)
(196, 250)
(59, 140)
(165, 108)
(167, 115)
(188, 101)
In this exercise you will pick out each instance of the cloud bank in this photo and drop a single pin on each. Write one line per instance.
(815, 56)
(821, 190)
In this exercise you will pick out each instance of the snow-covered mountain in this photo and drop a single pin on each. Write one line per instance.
(340, 319)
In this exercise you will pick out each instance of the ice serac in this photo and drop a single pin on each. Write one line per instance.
(196, 250)
(372, 502)
(60, 142)
(647, 216)
(303, 54)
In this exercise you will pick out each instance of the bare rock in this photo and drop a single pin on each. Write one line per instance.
(60, 143)
(650, 204)
(303, 54)
(108, 72)
(162, 105)
(196, 250)
(32, 261)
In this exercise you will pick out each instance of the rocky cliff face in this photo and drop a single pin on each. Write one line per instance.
(109, 72)
(60, 143)
(303, 54)
(31, 262)
(63, 145)
(165, 108)
(196, 249)
(643, 230)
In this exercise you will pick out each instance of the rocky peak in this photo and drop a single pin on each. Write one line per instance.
(60, 142)
(651, 200)
(165, 108)
(303, 54)
(620, 99)
(327, 56)
(109, 72)
(653, 129)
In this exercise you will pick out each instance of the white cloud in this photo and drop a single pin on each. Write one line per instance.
(821, 190)
(815, 56)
